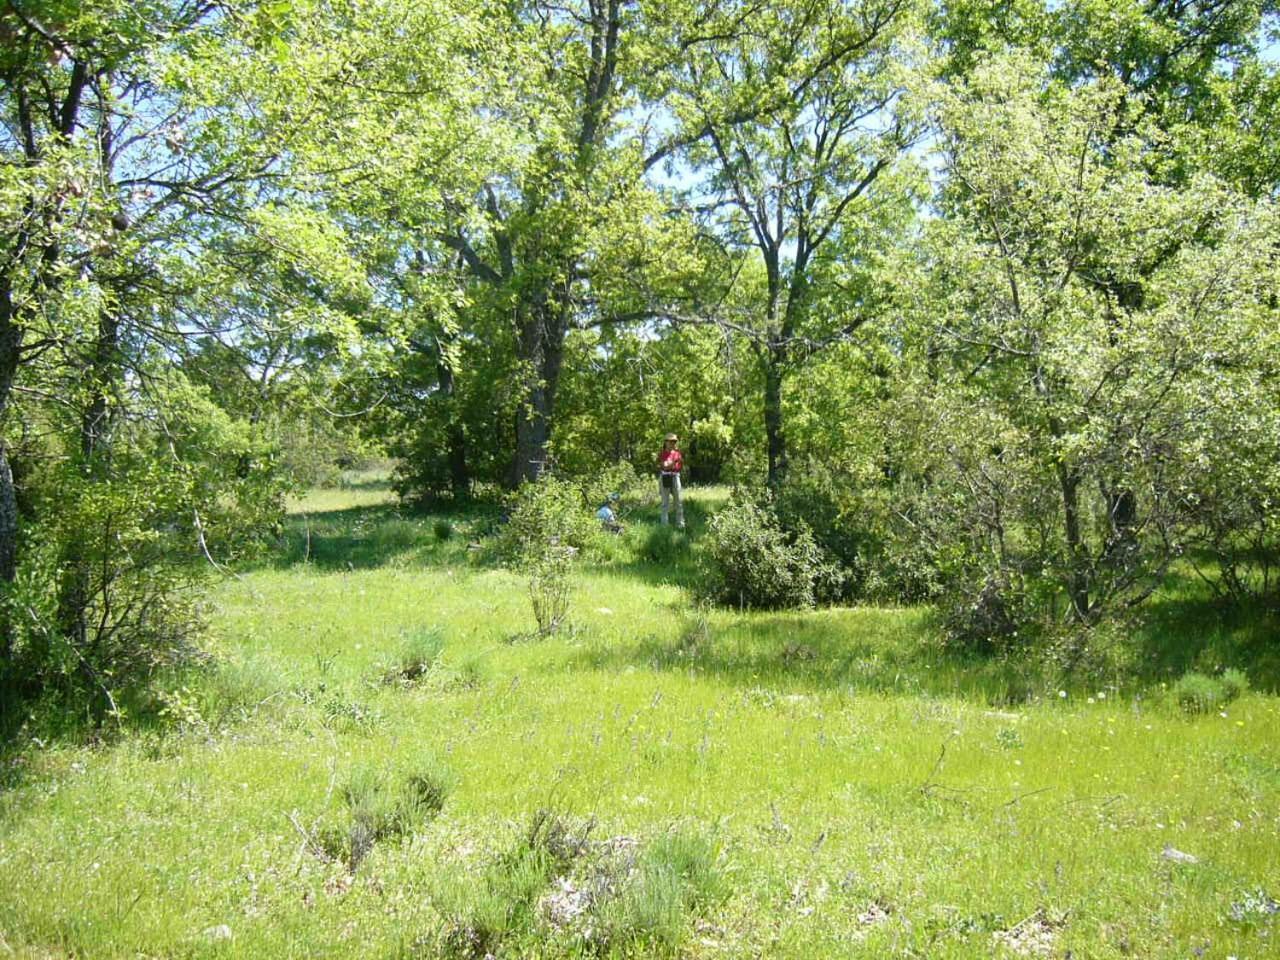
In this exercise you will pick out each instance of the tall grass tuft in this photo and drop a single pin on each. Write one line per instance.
(676, 875)
(417, 656)
(384, 805)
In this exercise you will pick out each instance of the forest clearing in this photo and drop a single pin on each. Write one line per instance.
(495, 479)
(385, 762)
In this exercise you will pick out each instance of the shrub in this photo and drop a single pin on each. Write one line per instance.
(983, 616)
(1234, 683)
(549, 588)
(620, 478)
(675, 875)
(549, 525)
(1199, 693)
(755, 562)
(480, 912)
(543, 514)
(863, 523)
(442, 528)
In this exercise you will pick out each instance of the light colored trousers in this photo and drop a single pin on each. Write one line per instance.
(666, 494)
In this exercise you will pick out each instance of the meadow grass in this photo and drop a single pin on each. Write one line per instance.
(657, 779)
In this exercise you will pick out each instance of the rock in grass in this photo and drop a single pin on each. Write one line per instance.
(221, 932)
(1177, 856)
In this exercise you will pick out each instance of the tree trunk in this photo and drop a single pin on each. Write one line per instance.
(10, 347)
(541, 346)
(455, 438)
(73, 603)
(776, 439)
(1077, 574)
(1121, 500)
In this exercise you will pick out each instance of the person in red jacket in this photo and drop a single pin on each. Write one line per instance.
(670, 463)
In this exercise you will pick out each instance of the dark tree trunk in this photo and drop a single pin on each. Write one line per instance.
(775, 437)
(541, 345)
(73, 604)
(10, 348)
(1077, 573)
(1121, 500)
(455, 437)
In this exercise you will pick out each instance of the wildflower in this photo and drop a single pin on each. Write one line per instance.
(1062, 694)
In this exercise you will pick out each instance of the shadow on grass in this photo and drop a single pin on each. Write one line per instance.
(367, 485)
(366, 538)
(1186, 628)
(870, 650)
(655, 554)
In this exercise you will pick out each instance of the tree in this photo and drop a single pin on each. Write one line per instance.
(1095, 396)
(132, 150)
(810, 184)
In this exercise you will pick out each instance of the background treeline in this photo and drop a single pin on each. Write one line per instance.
(975, 302)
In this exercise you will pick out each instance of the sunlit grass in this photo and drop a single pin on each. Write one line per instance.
(836, 783)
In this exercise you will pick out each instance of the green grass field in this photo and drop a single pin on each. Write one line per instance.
(381, 762)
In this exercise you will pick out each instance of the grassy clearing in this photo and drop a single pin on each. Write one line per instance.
(374, 768)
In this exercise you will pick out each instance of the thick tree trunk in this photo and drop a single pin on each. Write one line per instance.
(541, 345)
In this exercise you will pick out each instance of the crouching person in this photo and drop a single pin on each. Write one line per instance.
(608, 514)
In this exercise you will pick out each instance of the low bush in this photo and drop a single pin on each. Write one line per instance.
(482, 911)
(1200, 693)
(549, 588)
(545, 514)
(753, 561)
(675, 875)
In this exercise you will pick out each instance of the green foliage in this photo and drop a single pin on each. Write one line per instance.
(482, 911)
(665, 545)
(753, 561)
(549, 583)
(105, 594)
(1199, 693)
(1234, 683)
(620, 478)
(545, 516)
(1070, 417)
(857, 520)
(853, 722)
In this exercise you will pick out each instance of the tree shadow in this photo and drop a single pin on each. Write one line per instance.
(1185, 627)
(868, 650)
(654, 553)
(370, 537)
(367, 485)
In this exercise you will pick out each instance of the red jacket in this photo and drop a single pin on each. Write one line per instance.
(670, 461)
